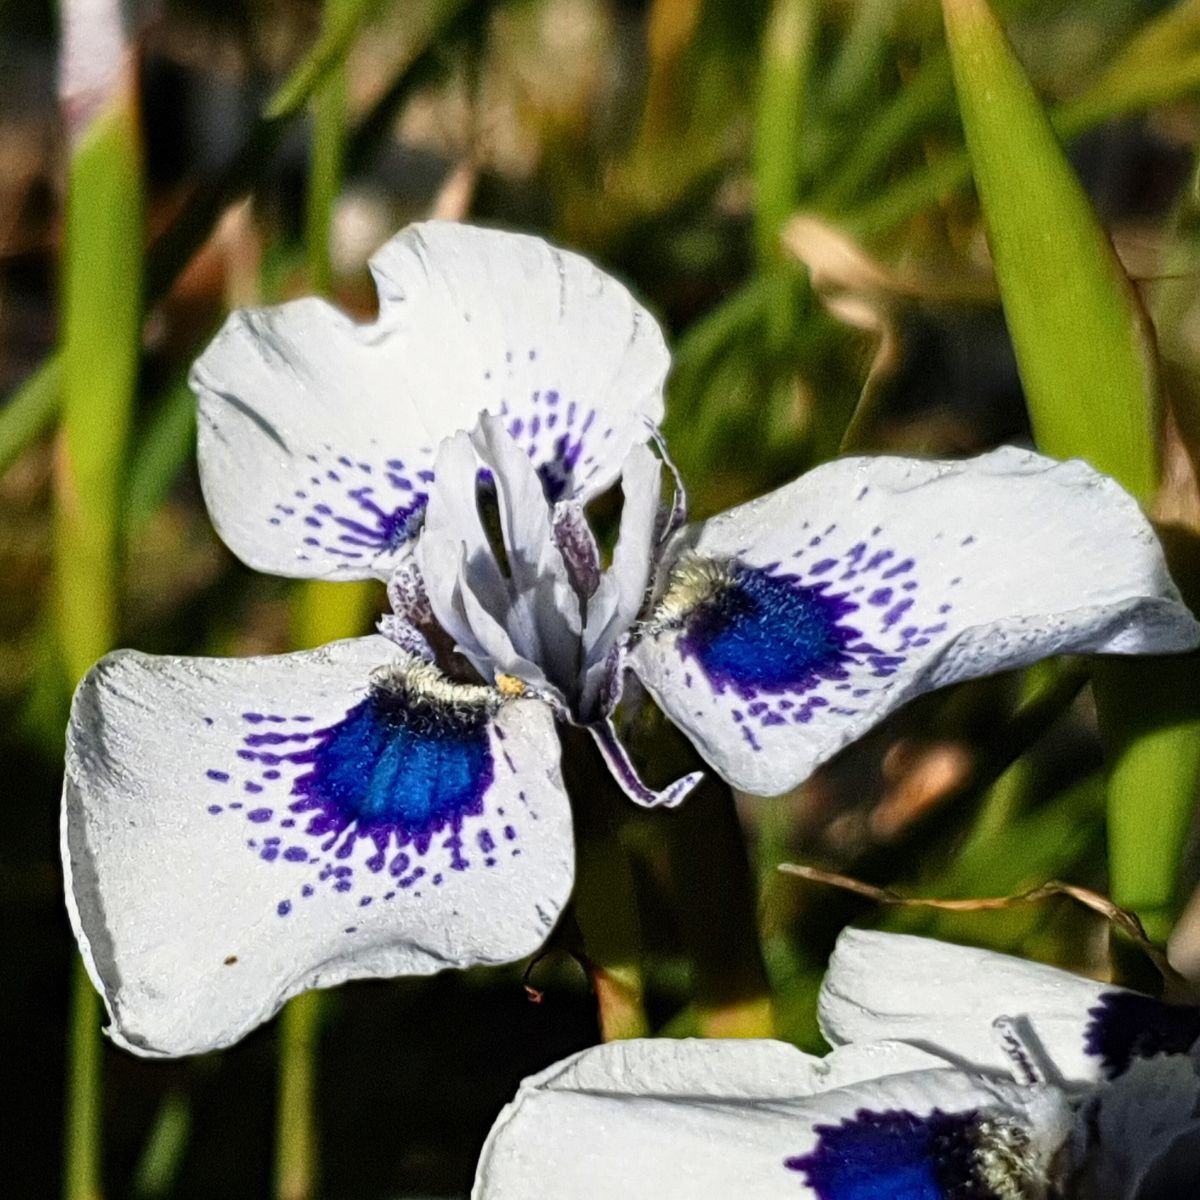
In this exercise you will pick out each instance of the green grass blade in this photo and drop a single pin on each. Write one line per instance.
(159, 454)
(1150, 717)
(1087, 360)
(1159, 64)
(1083, 345)
(101, 319)
(30, 410)
(779, 120)
(326, 154)
(917, 103)
(101, 315)
(162, 1157)
(341, 25)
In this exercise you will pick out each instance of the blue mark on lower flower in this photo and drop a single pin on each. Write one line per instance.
(396, 770)
(760, 632)
(1126, 1025)
(896, 1156)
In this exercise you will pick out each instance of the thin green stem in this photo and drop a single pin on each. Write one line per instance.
(84, 1091)
(158, 1169)
(717, 909)
(295, 1128)
(159, 454)
(859, 60)
(327, 152)
(713, 892)
(779, 120)
(929, 92)
(604, 900)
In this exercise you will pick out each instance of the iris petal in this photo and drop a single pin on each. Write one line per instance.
(317, 436)
(235, 831)
(693, 1120)
(787, 627)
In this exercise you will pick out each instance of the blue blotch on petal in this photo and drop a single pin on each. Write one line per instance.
(767, 633)
(397, 770)
(896, 1156)
(1125, 1026)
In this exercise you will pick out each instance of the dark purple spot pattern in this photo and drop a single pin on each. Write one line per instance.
(897, 1155)
(373, 796)
(560, 437)
(1125, 1026)
(816, 634)
(360, 507)
(355, 510)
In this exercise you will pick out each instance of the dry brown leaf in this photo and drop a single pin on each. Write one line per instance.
(1175, 986)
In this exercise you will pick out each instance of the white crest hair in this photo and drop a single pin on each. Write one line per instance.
(694, 579)
(420, 681)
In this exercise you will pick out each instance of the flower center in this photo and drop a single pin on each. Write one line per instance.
(899, 1156)
(405, 763)
(753, 631)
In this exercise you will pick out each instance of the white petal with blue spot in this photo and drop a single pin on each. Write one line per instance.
(684, 1120)
(238, 830)
(946, 997)
(792, 624)
(317, 435)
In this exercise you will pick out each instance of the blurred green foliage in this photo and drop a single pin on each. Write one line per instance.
(675, 141)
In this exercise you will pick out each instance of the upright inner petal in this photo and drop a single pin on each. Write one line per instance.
(515, 607)
(317, 435)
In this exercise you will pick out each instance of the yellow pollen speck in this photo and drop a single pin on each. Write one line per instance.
(509, 686)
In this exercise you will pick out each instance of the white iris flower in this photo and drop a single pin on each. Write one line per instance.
(957, 1075)
(238, 830)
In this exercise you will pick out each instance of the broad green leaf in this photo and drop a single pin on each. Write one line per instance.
(1083, 345)
(1087, 361)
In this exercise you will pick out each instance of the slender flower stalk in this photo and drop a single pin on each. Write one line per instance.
(605, 899)
(296, 1145)
(101, 341)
